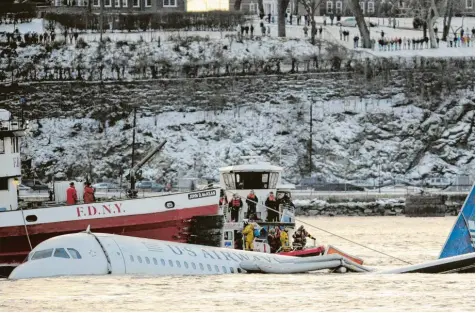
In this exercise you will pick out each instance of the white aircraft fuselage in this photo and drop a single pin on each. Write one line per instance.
(101, 254)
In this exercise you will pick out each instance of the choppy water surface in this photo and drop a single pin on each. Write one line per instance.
(412, 239)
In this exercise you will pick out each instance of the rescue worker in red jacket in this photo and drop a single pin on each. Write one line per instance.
(71, 195)
(88, 194)
(235, 205)
(251, 201)
(272, 208)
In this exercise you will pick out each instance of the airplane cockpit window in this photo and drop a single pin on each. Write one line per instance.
(61, 253)
(42, 254)
(75, 254)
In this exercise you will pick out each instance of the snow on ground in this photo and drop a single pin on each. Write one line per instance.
(405, 30)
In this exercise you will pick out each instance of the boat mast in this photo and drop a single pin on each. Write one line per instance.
(132, 175)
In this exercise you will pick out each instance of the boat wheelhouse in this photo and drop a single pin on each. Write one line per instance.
(261, 178)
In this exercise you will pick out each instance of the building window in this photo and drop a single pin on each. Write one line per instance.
(135, 3)
(329, 7)
(96, 3)
(370, 7)
(362, 7)
(148, 3)
(170, 3)
(107, 3)
(252, 7)
(338, 7)
(2, 146)
(116, 3)
(469, 4)
(124, 4)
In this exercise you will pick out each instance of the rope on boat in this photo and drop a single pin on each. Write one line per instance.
(326, 231)
(26, 229)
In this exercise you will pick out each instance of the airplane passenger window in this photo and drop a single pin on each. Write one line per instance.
(155, 261)
(185, 264)
(132, 258)
(224, 269)
(162, 261)
(193, 266)
(61, 253)
(209, 267)
(201, 266)
(147, 260)
(42, 254)
(139, 259)
(171, 263)
(238, 270)
(74, 253)
(232, 270)
(217, 269)
(178, 264)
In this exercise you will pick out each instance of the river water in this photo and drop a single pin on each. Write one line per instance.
(411, 239)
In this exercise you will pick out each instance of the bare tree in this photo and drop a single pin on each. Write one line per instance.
(428, 11)
(260, 8)
(237, 5)
(282, 6)
(359, 17)
(311, 6)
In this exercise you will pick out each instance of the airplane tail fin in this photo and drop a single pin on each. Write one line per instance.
(461, 238)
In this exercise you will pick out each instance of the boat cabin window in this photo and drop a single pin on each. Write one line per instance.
(74, 253)
(229, 182)
(253, 180)
(42, 254)
(61, 253)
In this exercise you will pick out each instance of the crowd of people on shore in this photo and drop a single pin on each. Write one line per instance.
(459, 39)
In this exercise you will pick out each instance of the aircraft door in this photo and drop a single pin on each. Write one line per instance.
(118, 265)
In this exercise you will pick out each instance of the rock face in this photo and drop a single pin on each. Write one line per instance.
(408, 125)
(434, 205)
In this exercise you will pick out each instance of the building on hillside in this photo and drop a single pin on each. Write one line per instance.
(269, 6)
(127, 6)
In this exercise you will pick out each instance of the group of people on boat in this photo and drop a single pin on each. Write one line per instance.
(271, 203)
(277, 238)
(72, 195)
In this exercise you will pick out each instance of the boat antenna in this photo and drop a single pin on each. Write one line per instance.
(331, 233)
(132, 175)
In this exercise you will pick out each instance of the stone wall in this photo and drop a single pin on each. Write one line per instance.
(412, 206)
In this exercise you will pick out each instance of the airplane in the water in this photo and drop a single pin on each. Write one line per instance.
(88, 253)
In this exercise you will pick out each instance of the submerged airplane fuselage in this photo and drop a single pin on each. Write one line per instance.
(101, 254)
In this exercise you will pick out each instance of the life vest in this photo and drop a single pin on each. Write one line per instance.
(235, 203)
(222, 200)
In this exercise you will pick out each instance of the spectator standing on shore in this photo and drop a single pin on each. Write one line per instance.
(340, 32)
(305, 29)
(356, 41)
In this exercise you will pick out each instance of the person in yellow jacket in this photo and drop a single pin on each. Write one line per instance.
(284, 238)
(248, 231)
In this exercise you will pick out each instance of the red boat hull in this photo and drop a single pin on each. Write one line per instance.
(306, 252)
(166, 225)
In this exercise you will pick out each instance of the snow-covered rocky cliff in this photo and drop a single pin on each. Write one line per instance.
(411, 124)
